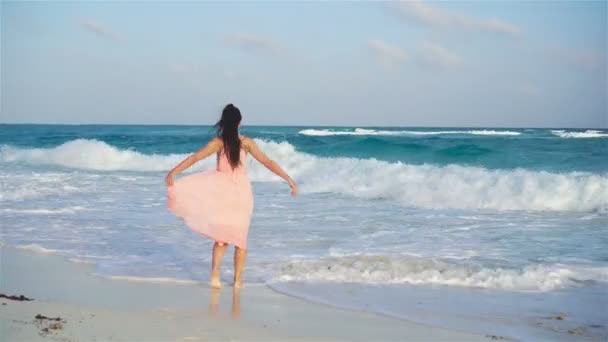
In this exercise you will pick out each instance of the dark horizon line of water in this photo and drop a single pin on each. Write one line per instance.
(293, 126)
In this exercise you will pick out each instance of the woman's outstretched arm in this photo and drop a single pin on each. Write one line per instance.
(211, 147)
(270, 164)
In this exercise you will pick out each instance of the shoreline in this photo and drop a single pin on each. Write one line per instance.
(92, 307)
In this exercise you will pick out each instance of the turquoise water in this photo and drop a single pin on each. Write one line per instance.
(512, 222)
(536, 149)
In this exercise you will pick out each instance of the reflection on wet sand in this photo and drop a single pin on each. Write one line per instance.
(236, 303)
(214, 301)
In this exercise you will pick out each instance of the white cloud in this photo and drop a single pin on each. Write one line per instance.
(230, 74)
(435, 16)
(530, 90)
(433, 54)
(193, 73)
(590, 60)
(428, 54)
(388, 55)
(184, 68)
(99, 29)
(256, 43)
(193, 76)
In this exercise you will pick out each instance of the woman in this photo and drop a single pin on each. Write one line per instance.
(219, 203)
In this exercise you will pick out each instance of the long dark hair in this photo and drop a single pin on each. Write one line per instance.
(228, 131)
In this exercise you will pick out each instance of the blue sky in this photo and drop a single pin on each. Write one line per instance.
(509, 64)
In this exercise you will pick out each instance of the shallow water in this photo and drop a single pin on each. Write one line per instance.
(507, 224)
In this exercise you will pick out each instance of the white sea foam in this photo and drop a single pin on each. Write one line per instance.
(363, 131)
(491, 132)
(406, 270)
(90, 155)
(68, 210)
(33, 185)
(80, 261)
(38, 249)
(430, 186)
(153, 279)
(423, 186)
(357, 131)
(590, 133)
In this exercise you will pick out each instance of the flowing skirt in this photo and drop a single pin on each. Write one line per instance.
(215, 204)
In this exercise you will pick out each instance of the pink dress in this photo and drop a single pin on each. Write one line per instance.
(215, 203)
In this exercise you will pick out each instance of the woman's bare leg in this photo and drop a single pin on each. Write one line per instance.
(239, 261)
(219, 249)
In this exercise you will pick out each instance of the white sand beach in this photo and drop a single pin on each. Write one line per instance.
(93, 308)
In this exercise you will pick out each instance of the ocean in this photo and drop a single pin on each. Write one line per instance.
(491, 230)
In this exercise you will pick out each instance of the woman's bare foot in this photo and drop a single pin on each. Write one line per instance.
(219, 249)
(237, 284)
(215, 282)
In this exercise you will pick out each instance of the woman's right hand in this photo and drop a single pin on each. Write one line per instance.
(294, 188)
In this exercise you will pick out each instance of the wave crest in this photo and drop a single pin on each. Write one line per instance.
(423, 186)
(364, 131)
(590, 133)
(435, 187)
(402, 270)
(90, 155)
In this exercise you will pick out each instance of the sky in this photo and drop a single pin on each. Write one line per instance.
(413, 63)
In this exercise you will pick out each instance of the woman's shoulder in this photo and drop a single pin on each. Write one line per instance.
(246, 142)
(216, 141)
(245, 139)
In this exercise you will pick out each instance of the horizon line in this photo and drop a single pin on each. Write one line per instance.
(309, 126)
